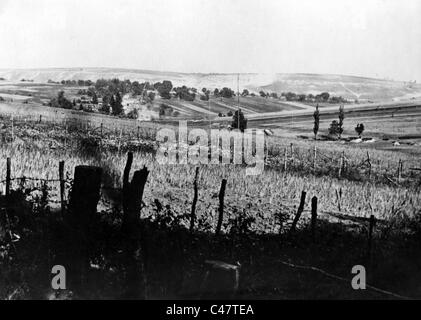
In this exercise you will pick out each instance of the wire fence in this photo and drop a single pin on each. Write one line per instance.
(336, 277)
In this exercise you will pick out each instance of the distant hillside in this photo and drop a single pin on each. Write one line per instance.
(346, 86)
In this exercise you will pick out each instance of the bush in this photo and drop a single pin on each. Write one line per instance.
(227, 92)
(239, 121)
(334, 128)
(359, 129)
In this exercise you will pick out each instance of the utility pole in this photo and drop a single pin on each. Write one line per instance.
(238, 99)
(209, 115)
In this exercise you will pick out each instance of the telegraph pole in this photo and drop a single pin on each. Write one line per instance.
(238, 100)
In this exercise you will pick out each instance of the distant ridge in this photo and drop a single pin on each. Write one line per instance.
(349, 86)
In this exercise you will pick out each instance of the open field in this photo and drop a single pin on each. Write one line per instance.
(258, 211)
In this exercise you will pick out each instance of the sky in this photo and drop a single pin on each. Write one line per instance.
(373, 38)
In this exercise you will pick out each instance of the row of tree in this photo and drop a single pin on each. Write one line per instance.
(336, 126)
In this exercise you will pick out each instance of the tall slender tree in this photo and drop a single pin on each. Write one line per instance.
(316, 116)
(341, 120)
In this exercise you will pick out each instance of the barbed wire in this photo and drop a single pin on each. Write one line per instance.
(333, 276)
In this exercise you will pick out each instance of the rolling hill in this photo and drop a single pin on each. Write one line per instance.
(350, 87)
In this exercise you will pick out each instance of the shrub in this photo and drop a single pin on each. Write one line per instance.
(334, 128)
(359, 129)
(239, 121)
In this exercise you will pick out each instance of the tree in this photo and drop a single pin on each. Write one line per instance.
(239, 121)
(334, 128)
(164, 89)
(359, 129)
(325, 96)
(341, 120)
(61, 102)
(316, 117)
(290, 96)
(105, 108)
(301, 97)
(151, 96)
(226, 92)
(245, 93)
(118, 107)
(112, 104)
(94, 98)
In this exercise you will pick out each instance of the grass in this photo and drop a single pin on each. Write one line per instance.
(258, 212)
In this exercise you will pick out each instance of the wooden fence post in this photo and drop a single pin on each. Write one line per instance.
(82, 215)
(341, 166)
(13, 133)
(370, 235)
(8, 170)
(299, 212)
(193, 208)
(132, 204)
(339, 198)
(314, 157)
(61, 178)
(138, 135)
(132, 196)
(313, 218)
(85, 193)
(221, 206)
(285, 159)
(102, 127)
(399, 170)
(369, 165)
(40, 118)
(119, 140)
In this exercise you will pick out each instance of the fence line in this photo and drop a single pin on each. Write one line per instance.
(330, 275)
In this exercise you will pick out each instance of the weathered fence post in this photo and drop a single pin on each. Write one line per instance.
(193, 208)
(285, 159)
(61, 178)
(314, 157)
(339, 198)
(40, 118)
(370, 236)
(138, 135)
(119, 140)
(299, 212)
(132, 196)
(221, 206)
(8, 170)
(132, 204)
(102, 127)
(342, 163)
(369, 165)
(399, 170)
(82, 215)
(13, 133)
(313, 218)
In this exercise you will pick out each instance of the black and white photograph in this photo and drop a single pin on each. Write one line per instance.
(209, 150)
